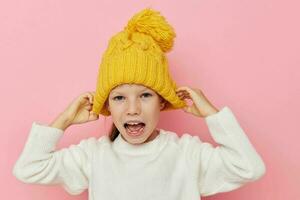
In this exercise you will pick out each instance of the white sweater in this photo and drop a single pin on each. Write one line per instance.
(166, 168)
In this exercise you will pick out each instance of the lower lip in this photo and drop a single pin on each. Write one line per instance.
(136, 133)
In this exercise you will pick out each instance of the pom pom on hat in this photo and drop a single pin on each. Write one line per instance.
(151, 22)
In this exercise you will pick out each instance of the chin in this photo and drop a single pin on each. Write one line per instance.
(136, 141)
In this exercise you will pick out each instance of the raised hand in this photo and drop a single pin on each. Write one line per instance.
(201, 106)
(79, 111)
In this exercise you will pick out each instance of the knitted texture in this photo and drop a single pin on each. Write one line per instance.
(136, 55)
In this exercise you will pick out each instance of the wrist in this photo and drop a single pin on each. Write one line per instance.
(211, 110)
(61, 122)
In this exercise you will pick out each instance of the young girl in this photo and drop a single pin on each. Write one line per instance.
(138, 161)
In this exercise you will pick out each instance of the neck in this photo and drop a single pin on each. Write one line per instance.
(152, 136)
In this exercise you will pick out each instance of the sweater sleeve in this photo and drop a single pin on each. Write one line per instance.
(40, 163)
(231, 164)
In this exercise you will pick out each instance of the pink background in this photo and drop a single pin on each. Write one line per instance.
(243, 54)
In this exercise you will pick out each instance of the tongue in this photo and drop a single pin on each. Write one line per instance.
(135, 127)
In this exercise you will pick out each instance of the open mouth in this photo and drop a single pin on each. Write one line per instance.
(134, 129)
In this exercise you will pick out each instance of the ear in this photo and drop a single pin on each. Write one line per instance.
(106, 104)
(162, 104)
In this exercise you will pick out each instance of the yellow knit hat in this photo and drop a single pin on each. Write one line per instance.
(136, 55)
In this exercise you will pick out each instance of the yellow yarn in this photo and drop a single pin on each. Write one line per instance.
(152, 23)
(136, 55)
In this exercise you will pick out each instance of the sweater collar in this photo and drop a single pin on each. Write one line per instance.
(122, 146)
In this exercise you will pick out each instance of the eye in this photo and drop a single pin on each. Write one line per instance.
(116, 98)
(147, 94)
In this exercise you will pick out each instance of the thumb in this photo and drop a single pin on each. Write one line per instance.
(93, 116)
(186, 109)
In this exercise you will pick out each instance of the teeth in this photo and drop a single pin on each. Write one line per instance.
(133, 123)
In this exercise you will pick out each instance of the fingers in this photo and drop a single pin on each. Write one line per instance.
(188, 91)
(91, 100)
(88, 96)
(185, 89)
(91, 97)
(183, 94)
(187, 109)
(93, 116)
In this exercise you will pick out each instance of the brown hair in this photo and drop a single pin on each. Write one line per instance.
(113, 133)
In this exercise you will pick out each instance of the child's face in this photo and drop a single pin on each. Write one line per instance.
(135, 102)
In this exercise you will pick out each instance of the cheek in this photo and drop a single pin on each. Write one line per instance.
(116, 115)
(116, 108)
(153, 115)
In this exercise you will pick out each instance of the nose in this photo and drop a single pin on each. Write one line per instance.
(133, 108)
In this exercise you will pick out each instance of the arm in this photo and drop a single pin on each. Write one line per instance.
(231, 164)
(40, 163)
